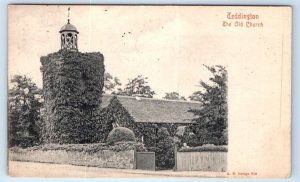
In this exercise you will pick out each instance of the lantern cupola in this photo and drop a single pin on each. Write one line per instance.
(69, 36)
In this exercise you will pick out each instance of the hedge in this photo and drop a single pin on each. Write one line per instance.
(116, 113)
(120, 134)
(89, 148)
(205, 148)
(72, 85)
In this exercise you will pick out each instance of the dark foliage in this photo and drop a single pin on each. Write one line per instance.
(72, 85)
(196, 96)
(120, 134)
(190, 138)
(149, 132)
(24, 105)
(211, 121)
(164, 150)
(205, 148)
(115, 114)
(89, 148)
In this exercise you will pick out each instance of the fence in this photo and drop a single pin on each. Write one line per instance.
(201, 161)
(145, 160)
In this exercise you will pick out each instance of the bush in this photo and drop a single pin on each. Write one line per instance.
(120, 134)
(190, 139)
(116, 113)
(89, 148)
(164, 152)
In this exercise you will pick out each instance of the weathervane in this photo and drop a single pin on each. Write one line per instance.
(69, 14)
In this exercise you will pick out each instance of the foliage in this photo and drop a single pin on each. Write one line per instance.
(148, 130)
(24, 105)
(73, 83)
(205, 148)
(211, 121)
(120, 134)
(164, 150)
(196, 96)
(173, 96)
(110, 83)
(190, 138)
(137, 86)
(89, 148)
(116, 114)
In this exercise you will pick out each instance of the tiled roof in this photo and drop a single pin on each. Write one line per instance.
(155, 110)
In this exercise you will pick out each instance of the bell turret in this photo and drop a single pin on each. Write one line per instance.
(69, 36)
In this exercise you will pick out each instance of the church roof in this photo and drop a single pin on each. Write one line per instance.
(155, 110)
(68, 27)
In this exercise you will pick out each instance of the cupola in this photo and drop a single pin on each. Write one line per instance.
(69, 36)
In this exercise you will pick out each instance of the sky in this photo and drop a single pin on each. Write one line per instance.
(169, 45)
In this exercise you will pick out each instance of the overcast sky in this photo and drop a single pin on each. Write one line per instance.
(169, 45)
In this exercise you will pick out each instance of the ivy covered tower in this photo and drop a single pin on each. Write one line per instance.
(72, 86)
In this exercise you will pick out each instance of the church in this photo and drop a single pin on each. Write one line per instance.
(76, 110)
(146, 115)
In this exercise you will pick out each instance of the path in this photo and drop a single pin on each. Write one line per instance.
(32, 169)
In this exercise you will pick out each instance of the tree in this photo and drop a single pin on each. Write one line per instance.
(110, 83)
(211, 122)
(25, 102)
(137, 86)
(196, 96)
(164, 151)
(173, 96)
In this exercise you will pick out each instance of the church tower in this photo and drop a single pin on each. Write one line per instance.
(72, 91)
(69, 36)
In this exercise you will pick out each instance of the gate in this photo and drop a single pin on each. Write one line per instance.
(145, 160)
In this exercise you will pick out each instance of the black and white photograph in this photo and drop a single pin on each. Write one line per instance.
(120, 91)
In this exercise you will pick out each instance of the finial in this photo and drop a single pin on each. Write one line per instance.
(69, 15)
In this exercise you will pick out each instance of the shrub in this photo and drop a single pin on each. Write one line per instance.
(89, 148)
(120, 134)
(116, 113)
(190, 139)
(164, 152)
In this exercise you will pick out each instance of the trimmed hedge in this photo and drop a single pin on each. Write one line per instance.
(205, 148)
(120, 134)
(89, 148)
(72, 85)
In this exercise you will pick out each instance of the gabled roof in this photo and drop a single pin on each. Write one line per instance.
(155, 110)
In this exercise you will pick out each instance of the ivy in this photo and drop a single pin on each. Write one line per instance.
(72, 88)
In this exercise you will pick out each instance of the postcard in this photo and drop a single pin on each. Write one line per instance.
(149, 91)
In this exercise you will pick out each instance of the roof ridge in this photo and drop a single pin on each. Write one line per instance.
(156, 99)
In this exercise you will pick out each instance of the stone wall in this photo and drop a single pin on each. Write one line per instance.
(101, 158)
(72, 85)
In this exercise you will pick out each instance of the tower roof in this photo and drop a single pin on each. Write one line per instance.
(68, 27)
